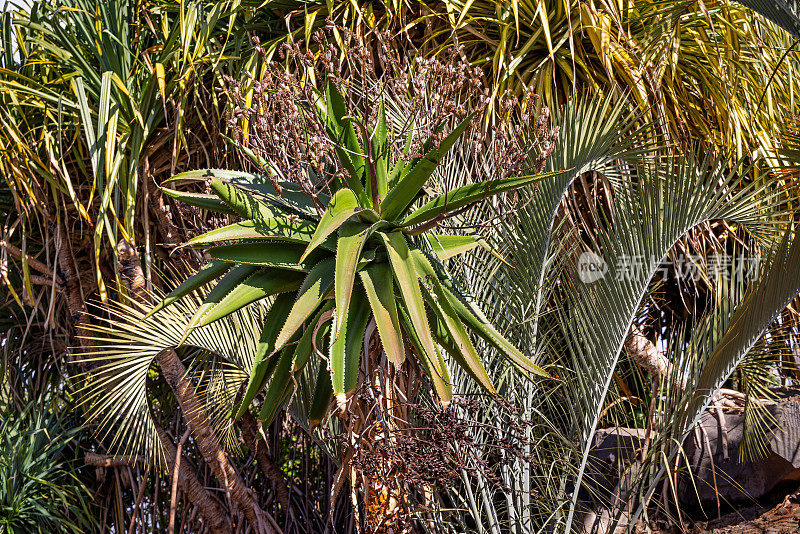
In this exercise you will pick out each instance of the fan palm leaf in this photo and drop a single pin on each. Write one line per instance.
(126, 345)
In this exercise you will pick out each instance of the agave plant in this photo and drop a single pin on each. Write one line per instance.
(370, 255)
(361, 251)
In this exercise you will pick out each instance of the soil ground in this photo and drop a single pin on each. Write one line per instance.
(779, 516)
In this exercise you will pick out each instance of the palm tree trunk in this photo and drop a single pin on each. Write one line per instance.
(650, 359)
(130, 271)
(267, 464)
(211, 509)
(199, 424)
(174, 372)
(66, 270)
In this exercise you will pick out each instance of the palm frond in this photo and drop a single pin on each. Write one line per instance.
(124, 346)
(784, 13)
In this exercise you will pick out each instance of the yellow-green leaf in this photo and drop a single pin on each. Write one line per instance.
(450, 327)
(434, 365)
(447, 246)
(352, 237)
(405, 274)
(377, 281)
(342, 206)
(316, 286)
(345, 351)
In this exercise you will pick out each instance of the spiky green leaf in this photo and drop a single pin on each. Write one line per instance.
(200, 200)
(257, 286)
(448, 327)
(275, 228)
(377, 281)
(447, 246)
(245, 205)
(279, 388)
(406, 190)
(316, 286)
(308, 343)
(345, 350)
(265, 361)
(470, 194)
(321, 400)
(343, 205)
(348, 150)
(281, 255)
(434, 365)
(352, 238)
(405, 275)
(227, 284)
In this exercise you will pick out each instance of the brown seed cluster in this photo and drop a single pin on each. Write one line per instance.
(274, 117)
(525, 140)
(438, 446)
(280, 116)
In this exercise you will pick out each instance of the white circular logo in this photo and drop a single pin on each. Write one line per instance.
(591, 267)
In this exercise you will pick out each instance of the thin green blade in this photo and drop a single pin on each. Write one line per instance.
(380, 147)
